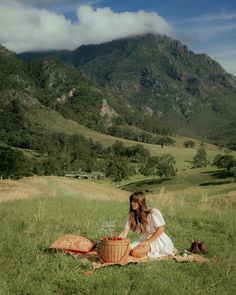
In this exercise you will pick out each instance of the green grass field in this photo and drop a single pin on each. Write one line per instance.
(183, 156)
(199, 180)
(54, 206)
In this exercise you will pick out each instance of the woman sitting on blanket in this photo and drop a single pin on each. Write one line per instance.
(153, 242)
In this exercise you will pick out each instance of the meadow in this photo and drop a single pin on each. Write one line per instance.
(54, 122)
(34, 211)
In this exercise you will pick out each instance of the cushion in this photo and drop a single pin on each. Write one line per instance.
(72, 243)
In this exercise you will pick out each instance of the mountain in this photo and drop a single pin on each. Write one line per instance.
(34, 92)
(161, 78)
(50, 83)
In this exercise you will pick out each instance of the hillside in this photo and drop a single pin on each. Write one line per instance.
(46, 109)
(163, 79)
(52, 84)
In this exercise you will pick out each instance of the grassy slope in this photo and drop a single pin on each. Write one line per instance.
(55, 122)
(188, 182)
(83, 208)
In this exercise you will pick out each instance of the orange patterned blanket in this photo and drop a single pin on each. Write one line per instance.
(86, 251)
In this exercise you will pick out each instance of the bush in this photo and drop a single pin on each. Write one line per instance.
(189, 143)
(118, 169)
(200, 159)
(13, 164)
(162, 166)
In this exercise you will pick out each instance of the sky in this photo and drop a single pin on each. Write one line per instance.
(205, 26)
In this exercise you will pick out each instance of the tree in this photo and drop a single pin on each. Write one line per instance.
(51, 166)
(233, 172)
(162, 166)
(189, 143)
(117, 169)
(13, 163)
(118, 148)
(137, 153)
(224, 161)
(200, 159)
(202, 144)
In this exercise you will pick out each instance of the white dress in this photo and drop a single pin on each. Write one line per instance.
(161, 246)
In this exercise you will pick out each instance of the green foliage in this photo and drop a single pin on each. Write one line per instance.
(61, 153)
(13, 164)
(136, 153)
(189, 143)
(224, 161)
(117, 169)
(227, 162)
(200, 159)
(164, 83)
(140, 136)
(233, 171)
(162, 166)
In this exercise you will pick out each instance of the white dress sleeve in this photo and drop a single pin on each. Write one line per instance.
(157, 218)
(126, 226)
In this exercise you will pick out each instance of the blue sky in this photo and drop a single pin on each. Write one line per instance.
(204, 25)
(207, 26)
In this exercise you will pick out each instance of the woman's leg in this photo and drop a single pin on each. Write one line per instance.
(140, 251)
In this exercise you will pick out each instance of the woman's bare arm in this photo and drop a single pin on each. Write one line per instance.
(156, 234)
(124, 233)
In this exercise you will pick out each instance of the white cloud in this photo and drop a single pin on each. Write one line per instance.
(225, 16)
(24, 28)
(58, 6)
(208, 26)
(49, 2)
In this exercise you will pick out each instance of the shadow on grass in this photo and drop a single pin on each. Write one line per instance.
(212, 171)
(49, 251)
(142, 184)
(218, 174)
(214, 183)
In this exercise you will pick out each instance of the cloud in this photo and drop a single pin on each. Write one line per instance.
(24, 28)
(207, 26)
(58, 6)
(35, 2)
(225, 16)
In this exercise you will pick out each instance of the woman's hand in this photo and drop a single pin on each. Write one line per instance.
(143, 244)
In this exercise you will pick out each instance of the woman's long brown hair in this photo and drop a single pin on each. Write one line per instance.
(140, 214)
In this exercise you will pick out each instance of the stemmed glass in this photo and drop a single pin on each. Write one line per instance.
(108, 228)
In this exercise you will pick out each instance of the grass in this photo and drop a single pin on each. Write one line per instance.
(53, 121)
(199, 180)
(82, 207)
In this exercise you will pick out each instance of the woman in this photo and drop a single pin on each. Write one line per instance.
(149, 223)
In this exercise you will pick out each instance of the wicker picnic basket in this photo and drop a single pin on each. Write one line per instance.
(114, 251)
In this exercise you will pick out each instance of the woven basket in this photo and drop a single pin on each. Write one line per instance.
(114, 251)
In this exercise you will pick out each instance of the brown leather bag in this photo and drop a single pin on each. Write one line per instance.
(197, 247)
(202, 246)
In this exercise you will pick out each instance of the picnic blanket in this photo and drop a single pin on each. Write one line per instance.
(93, 258)
(87, 252)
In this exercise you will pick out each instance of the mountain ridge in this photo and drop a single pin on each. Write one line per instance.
(158, 77)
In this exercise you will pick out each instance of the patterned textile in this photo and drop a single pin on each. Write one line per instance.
(94, 259)
(73, 243)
